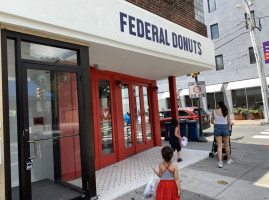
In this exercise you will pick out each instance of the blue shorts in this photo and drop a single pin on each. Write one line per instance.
(221, 130)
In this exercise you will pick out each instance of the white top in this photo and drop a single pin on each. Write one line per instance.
(220, 119)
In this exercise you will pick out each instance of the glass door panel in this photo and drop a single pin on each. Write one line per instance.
(127, 116)
(53, 120)
(13, 128)
(106, 117)
(138, 118)
(147, 114)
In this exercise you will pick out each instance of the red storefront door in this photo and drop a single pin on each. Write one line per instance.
(137, 117)
(142, 116)
(122, 110)
(105, 122)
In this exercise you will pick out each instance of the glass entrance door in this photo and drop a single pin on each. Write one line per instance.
(52, 134)
(105, 124)
(128, 118)
(140, 116)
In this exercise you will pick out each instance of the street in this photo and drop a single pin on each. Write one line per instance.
(246, 178)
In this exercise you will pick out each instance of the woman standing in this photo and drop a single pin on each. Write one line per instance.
(221, 120)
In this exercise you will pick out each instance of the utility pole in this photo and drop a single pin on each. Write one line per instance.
(259, 62)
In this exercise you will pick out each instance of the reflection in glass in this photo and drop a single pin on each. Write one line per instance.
(126, 116)
(219, 96)
(211, 5)
(106, 117)
(32, 51)
(147, 113)
(53, 111)
(138, 124)
(254, 97)
(213, 99)
(211, 105)
(239, 98)
(13, 119)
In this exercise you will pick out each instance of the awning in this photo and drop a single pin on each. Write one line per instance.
(184, 92)
(245, 84)
(213, 88)
(121, 37)
(165, 95)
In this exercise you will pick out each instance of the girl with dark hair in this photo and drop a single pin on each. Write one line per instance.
(174, 138)
(221, 120)
(169, 185)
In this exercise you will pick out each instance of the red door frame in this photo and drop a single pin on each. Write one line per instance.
(129, 150)
(149, 143)
(116, 79)
(110, 158)
(146, 144)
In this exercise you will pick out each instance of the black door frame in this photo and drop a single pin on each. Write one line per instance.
(85, 109)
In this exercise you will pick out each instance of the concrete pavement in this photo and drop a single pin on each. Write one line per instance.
(246, 178)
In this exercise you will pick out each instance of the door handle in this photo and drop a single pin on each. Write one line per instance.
(35, 149)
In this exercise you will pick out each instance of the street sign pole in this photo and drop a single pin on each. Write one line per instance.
(198, 94)
(202, 137)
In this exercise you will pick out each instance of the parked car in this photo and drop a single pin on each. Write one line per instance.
(188, 113)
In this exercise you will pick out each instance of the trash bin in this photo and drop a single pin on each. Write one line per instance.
(193, 126)
(183, 127)
(167, 128)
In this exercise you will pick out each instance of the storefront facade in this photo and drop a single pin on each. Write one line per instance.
(128, 111)
(79, 91)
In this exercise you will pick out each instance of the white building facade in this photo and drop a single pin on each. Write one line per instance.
(235, 79)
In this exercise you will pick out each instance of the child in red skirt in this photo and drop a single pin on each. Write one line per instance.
(169, 186)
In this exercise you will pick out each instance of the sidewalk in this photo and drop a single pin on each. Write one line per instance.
(248, 122)
(246, 178)
(135, 171)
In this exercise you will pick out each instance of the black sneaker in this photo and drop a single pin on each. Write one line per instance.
(179, 160)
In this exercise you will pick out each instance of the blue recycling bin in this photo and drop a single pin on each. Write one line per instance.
(193, 127)
(183, 127)
(167, 128)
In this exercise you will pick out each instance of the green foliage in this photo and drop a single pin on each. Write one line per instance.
(241, 111)
(255, 110)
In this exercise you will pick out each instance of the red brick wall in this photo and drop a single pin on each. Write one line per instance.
(178, 11)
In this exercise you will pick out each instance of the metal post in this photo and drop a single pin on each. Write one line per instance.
(264, 87)
(202, 137)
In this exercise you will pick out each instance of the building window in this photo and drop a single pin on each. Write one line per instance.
(213, 99)
(168, 106)
(214, 31)
(247, 98)
(219, 62)
(239, 98)
(252, 14)
(199, 11)
(189, 102)
(211, 5)
(252, 55)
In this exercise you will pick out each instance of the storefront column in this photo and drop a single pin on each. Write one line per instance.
(228, 99)
(173, 97)
(156, 120)
(2, 172)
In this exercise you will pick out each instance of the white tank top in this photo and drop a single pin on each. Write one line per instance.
(219, 119)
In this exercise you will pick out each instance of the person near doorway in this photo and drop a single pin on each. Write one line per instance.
(221, 120)
(169, 185)
(175, 138)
